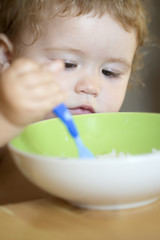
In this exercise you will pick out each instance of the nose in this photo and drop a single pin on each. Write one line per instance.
(88, 85)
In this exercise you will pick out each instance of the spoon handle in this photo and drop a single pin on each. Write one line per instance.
(63, 113)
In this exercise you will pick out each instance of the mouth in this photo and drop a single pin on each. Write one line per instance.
(83, 109)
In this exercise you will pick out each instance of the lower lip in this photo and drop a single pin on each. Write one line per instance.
(78, 111)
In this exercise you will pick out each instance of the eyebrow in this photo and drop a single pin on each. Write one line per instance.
(64, 49)
(110, 60)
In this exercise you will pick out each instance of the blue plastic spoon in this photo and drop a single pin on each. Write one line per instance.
(65, 116)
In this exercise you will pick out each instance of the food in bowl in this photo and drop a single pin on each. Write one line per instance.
(46, 155)
(114, 154)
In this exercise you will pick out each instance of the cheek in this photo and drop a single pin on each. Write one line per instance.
(66, 83)
(112, 98)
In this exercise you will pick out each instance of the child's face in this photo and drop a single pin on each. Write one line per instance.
(98, 55)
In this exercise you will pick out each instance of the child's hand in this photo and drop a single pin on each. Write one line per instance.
(28, 91)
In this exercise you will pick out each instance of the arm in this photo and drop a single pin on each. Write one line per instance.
(27, 93)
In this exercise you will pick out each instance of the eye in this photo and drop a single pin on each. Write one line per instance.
(70, 65)
(110, 74)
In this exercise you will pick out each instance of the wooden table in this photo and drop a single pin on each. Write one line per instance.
(50, 219)
(27, 213)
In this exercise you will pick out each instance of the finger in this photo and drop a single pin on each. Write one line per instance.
(23, 65)
(35, 79)
(47, 105)
(42, 93)
(41, 107)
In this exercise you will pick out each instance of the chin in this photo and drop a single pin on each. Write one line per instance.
(49, 116)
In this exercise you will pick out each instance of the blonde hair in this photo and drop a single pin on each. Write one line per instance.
(16, 15)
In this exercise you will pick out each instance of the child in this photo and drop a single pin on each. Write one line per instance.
(27, 91)
(98, 41)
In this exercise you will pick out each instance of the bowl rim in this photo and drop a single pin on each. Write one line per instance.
(120, 160)
(100, 114)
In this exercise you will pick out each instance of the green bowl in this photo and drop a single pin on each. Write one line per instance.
(46, 154)
(134, 133)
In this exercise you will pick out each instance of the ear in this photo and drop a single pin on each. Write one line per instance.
(6, 50)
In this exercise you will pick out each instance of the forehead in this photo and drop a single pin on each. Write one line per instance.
(97, 37)
(102, 32)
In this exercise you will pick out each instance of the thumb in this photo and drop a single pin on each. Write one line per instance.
(54, 66)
